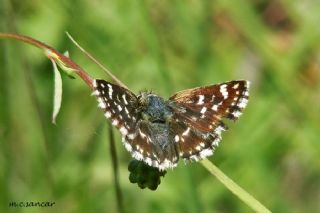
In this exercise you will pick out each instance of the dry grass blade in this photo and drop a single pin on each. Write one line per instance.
(114, 78)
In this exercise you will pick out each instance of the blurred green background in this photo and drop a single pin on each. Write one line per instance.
(273, 151)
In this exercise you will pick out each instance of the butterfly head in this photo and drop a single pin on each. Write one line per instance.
(153, 108)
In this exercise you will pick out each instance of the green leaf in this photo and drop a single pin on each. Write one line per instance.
(57, 96)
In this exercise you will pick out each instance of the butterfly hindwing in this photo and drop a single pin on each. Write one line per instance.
(193, 144)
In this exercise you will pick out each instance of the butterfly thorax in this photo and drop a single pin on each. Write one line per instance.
(156, 117)
(154, 109)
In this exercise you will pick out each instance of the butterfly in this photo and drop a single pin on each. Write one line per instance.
(187, 126)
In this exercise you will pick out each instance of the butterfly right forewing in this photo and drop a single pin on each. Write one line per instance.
(204, 107)
(198, 113)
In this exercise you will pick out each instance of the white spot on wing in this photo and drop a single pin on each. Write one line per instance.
(223, 90)
(137, 155)
(155, 163)
(126, 145)
(218, 130)
(101, 104)
(186, 132)
(176, 138)
(115, 122)
(148, 161)
(203, 110)
(236, 114)
(131, 136)
(107, 114)
(243, 103)
(235, 86)
(123, 130)
(216, 141)
(166, 164)
(124, 99)
(214, 107)
(205, 153)
(200, 100)
(110, 91)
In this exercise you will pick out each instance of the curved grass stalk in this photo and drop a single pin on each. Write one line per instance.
(114, 78)
(234, 188)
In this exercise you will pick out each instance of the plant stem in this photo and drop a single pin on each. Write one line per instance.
(234, 188)
(115, 168)
(52, 54)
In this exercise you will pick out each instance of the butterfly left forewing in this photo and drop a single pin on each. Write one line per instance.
(118, 105)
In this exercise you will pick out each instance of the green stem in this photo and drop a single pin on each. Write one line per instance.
(115, 168)
(234, 188)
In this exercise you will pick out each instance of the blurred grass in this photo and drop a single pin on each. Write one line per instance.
(272, 152)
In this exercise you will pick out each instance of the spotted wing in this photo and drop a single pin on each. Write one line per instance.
(203, 108)
(118, 105)
(198, 113)
(193, 144)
